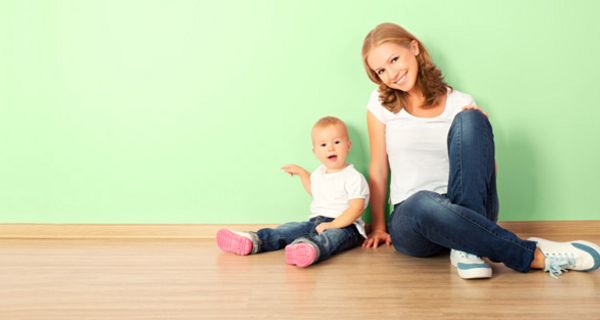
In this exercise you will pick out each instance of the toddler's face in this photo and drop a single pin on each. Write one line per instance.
(331, 146)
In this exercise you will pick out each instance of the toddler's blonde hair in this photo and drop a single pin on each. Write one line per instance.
(330, 121)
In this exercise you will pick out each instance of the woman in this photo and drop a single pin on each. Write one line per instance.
(439, 148)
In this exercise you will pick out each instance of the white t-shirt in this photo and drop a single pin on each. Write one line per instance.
(417, 147)
(332, 191)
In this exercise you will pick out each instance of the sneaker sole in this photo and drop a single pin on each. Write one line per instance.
(229, 241)
(467, 272)
(301, 254)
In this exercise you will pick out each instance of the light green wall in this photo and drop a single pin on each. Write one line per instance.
(184, 111)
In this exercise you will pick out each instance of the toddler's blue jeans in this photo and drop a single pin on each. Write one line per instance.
(328, 243)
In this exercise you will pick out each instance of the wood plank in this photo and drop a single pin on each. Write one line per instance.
(176, 279)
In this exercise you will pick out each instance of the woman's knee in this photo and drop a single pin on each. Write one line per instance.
(472, 120)
(470, 128)
(471, 116)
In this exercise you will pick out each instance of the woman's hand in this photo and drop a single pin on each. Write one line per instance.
(476, 108)
(376, 237)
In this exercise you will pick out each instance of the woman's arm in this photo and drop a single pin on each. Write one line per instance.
(378, 176)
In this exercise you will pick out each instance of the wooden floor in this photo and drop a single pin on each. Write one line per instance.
(191, 279)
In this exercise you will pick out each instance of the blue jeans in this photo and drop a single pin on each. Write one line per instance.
(328, 243)
(428, 223)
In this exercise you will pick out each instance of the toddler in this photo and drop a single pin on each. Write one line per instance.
(339, 195)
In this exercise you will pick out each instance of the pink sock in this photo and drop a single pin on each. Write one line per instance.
(230, 241)
(300, 254)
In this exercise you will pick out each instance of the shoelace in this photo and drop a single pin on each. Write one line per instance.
(557, 264)
(467, 255)
(471, 256)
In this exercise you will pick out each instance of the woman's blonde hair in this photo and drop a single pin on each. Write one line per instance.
(429, 78)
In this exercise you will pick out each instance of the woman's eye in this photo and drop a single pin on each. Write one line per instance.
(394, 59)
(380, 71)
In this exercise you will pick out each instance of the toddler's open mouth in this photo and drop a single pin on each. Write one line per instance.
(332, 157)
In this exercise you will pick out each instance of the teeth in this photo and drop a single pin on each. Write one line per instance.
(401, 78)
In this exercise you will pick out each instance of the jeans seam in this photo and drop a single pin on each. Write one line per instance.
(459, 164)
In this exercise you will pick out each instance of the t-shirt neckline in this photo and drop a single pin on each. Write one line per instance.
(324, 169)
(440, 116)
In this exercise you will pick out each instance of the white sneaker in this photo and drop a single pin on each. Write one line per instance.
(575, 255)
(470, 266)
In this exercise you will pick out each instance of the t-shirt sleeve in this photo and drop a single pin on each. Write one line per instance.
(357, 187)
(462, 100)
(470, 101)
(375, 107)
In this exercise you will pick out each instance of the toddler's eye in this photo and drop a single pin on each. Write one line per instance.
(337, 142)
(323, 145)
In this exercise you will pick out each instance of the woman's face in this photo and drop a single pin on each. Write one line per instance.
(396, 65)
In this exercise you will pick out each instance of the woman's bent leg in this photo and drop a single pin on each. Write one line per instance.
(472, 177)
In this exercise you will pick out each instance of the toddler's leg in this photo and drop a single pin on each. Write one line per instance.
(266, 239)
(274, 239)
(309, 250)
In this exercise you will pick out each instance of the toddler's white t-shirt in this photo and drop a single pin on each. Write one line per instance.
(332, 191)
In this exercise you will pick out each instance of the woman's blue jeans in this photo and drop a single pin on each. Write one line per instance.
(428, 223)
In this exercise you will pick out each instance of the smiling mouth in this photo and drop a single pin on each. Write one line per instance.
(401, 78)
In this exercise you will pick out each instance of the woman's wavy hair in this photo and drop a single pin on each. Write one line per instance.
(429, 78)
